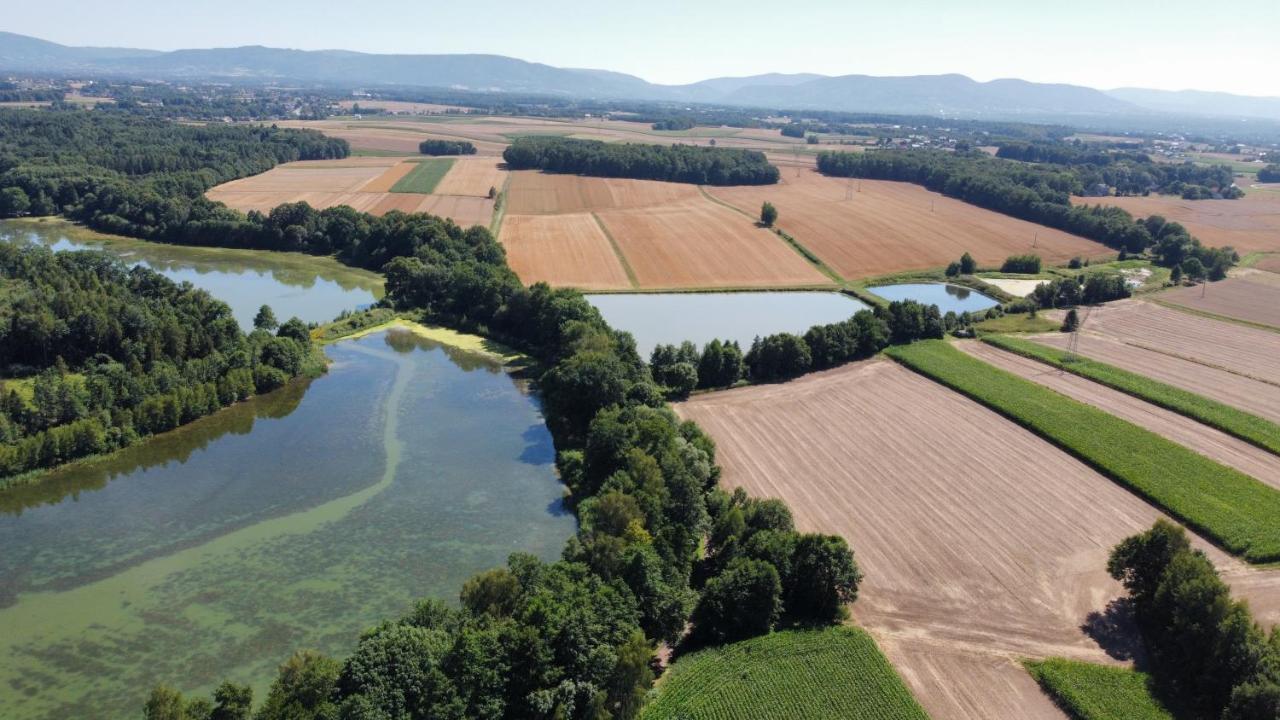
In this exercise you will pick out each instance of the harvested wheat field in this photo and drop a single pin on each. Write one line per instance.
(392, 137)
(697, 243)
(363, 184)
(399, 106)
(1226, 449)
(1250, 224)
(981, 543)
(1270, 263)
(1250, 297)
(891, 226)
(472, 176)
(562, 250)
(532, 192)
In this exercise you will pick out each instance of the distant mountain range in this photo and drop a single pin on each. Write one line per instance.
(948, 95)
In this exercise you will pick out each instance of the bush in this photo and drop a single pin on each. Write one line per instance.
(768, 214)
(743, 601)
(446, 147)
(1027, 264)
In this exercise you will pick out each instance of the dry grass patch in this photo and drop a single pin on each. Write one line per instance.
(890, 226)
(562, 250)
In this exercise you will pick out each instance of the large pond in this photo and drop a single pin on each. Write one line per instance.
(951, 298)
(311, 288)
(671, 318)
(292, 521)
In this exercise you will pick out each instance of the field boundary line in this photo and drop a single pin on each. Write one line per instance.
(1165, 396)
(617, 250)
(499, 209)
(809, 256)
(1224, 506)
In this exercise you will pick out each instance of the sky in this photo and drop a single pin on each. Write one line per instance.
(1168, 45)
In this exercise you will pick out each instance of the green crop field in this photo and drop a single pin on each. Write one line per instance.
(1230, 507)
(1097, 692)
(1250, 428)
(832, 674)
(424, 178)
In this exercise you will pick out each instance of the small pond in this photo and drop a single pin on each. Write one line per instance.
(671, 318)
(948, 298)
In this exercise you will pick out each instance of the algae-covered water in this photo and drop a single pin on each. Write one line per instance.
(291, 521)
(314, 289)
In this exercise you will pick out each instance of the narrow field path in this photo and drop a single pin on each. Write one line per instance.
(1215, 444)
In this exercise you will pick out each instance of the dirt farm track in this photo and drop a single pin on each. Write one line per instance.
(981, 543)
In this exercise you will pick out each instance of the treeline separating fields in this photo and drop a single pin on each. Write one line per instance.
(446, 147)
(1097, 692)
(1227, 506)
(1250, 428)
(676, 163)
(791, 675)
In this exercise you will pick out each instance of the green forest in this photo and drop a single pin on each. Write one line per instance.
(674, 163)
(96, 356)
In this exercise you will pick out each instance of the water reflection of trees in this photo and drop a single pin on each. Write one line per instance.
(404, 341)
(178, 444)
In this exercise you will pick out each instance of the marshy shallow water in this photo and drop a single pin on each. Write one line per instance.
(294, 520)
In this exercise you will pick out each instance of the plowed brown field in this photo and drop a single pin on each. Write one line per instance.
(981, 543)
(1252, 297)
(891, 226)
(1230, 451)
(1249, 224)
(697, 243)
(535, 192)
(562, 250)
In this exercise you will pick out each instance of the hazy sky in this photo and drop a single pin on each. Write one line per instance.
(1169, 44)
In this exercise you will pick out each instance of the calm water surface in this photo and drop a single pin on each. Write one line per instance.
(311, 288)
(294, 520)
(947, 297)
(671, 318)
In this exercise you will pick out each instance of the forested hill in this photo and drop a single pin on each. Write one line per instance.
(94, 355)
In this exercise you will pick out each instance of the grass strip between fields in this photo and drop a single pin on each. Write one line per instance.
(1250, 428)
(617, 251)
(1086, 691)
(787, 675)
(1227, 506)
(424, 177)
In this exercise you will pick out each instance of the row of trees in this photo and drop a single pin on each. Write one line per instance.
(1129, 172)
(1206, 651)
(112, 354)
(573, 638)
(1269, 174)
(676, 163)
(1029, 264)
(1087, 289)
(675, 123)
(1037, 193)
(446, 147)
(680, 370)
